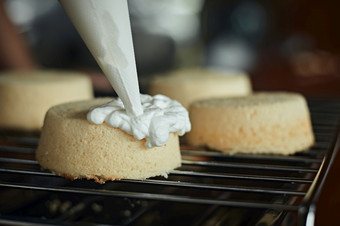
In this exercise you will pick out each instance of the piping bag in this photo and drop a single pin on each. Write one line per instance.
(104, 25)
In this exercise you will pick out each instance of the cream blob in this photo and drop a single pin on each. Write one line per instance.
(161, 116)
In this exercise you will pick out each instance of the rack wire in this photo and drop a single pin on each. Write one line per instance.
(210, 187)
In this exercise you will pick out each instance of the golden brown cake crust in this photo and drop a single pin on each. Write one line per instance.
(269, 123)
(72, 147)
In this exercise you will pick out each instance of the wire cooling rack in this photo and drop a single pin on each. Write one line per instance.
(209, 188)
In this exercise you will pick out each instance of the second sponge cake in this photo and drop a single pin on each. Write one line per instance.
(271, 123)
(25, 96)
(189, 85)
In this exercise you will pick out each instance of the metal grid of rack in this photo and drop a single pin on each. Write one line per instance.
(209, 188)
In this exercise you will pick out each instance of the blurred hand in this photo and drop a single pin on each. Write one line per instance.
(14, 52)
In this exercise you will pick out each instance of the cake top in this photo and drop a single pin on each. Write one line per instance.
(258, 99)
(161, 116)
(39, 76)
(200, 74)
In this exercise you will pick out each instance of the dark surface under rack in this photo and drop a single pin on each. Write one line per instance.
(210, 188)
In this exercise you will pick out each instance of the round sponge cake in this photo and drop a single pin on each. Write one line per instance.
(25, 96)
(72, 147)
(270, 123)
(189, 85)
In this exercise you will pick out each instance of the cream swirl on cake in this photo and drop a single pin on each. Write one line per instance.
(161, 116)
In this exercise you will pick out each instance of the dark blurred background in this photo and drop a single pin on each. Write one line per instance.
(284, 44)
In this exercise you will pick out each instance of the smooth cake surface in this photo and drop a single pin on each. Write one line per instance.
(189, 85)
(25, 96)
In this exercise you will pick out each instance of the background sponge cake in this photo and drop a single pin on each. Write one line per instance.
(275, 123)
(25, 96)
(189, 85)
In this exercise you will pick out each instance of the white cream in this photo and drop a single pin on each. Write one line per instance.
(161, 117)
(104, 25)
